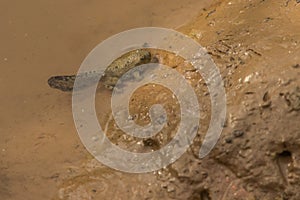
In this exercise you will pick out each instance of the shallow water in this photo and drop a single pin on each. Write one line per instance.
(40, 39)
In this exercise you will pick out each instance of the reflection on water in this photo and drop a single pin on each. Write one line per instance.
(39, 146)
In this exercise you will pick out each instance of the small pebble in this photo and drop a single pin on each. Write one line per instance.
(296, 65)
(238, 133)
(228, 140)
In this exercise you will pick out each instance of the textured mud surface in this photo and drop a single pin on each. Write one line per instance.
(256, 46)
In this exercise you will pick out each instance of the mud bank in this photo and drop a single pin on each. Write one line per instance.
(255, 44)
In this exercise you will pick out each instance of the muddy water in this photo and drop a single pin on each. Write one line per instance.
(39, 144)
